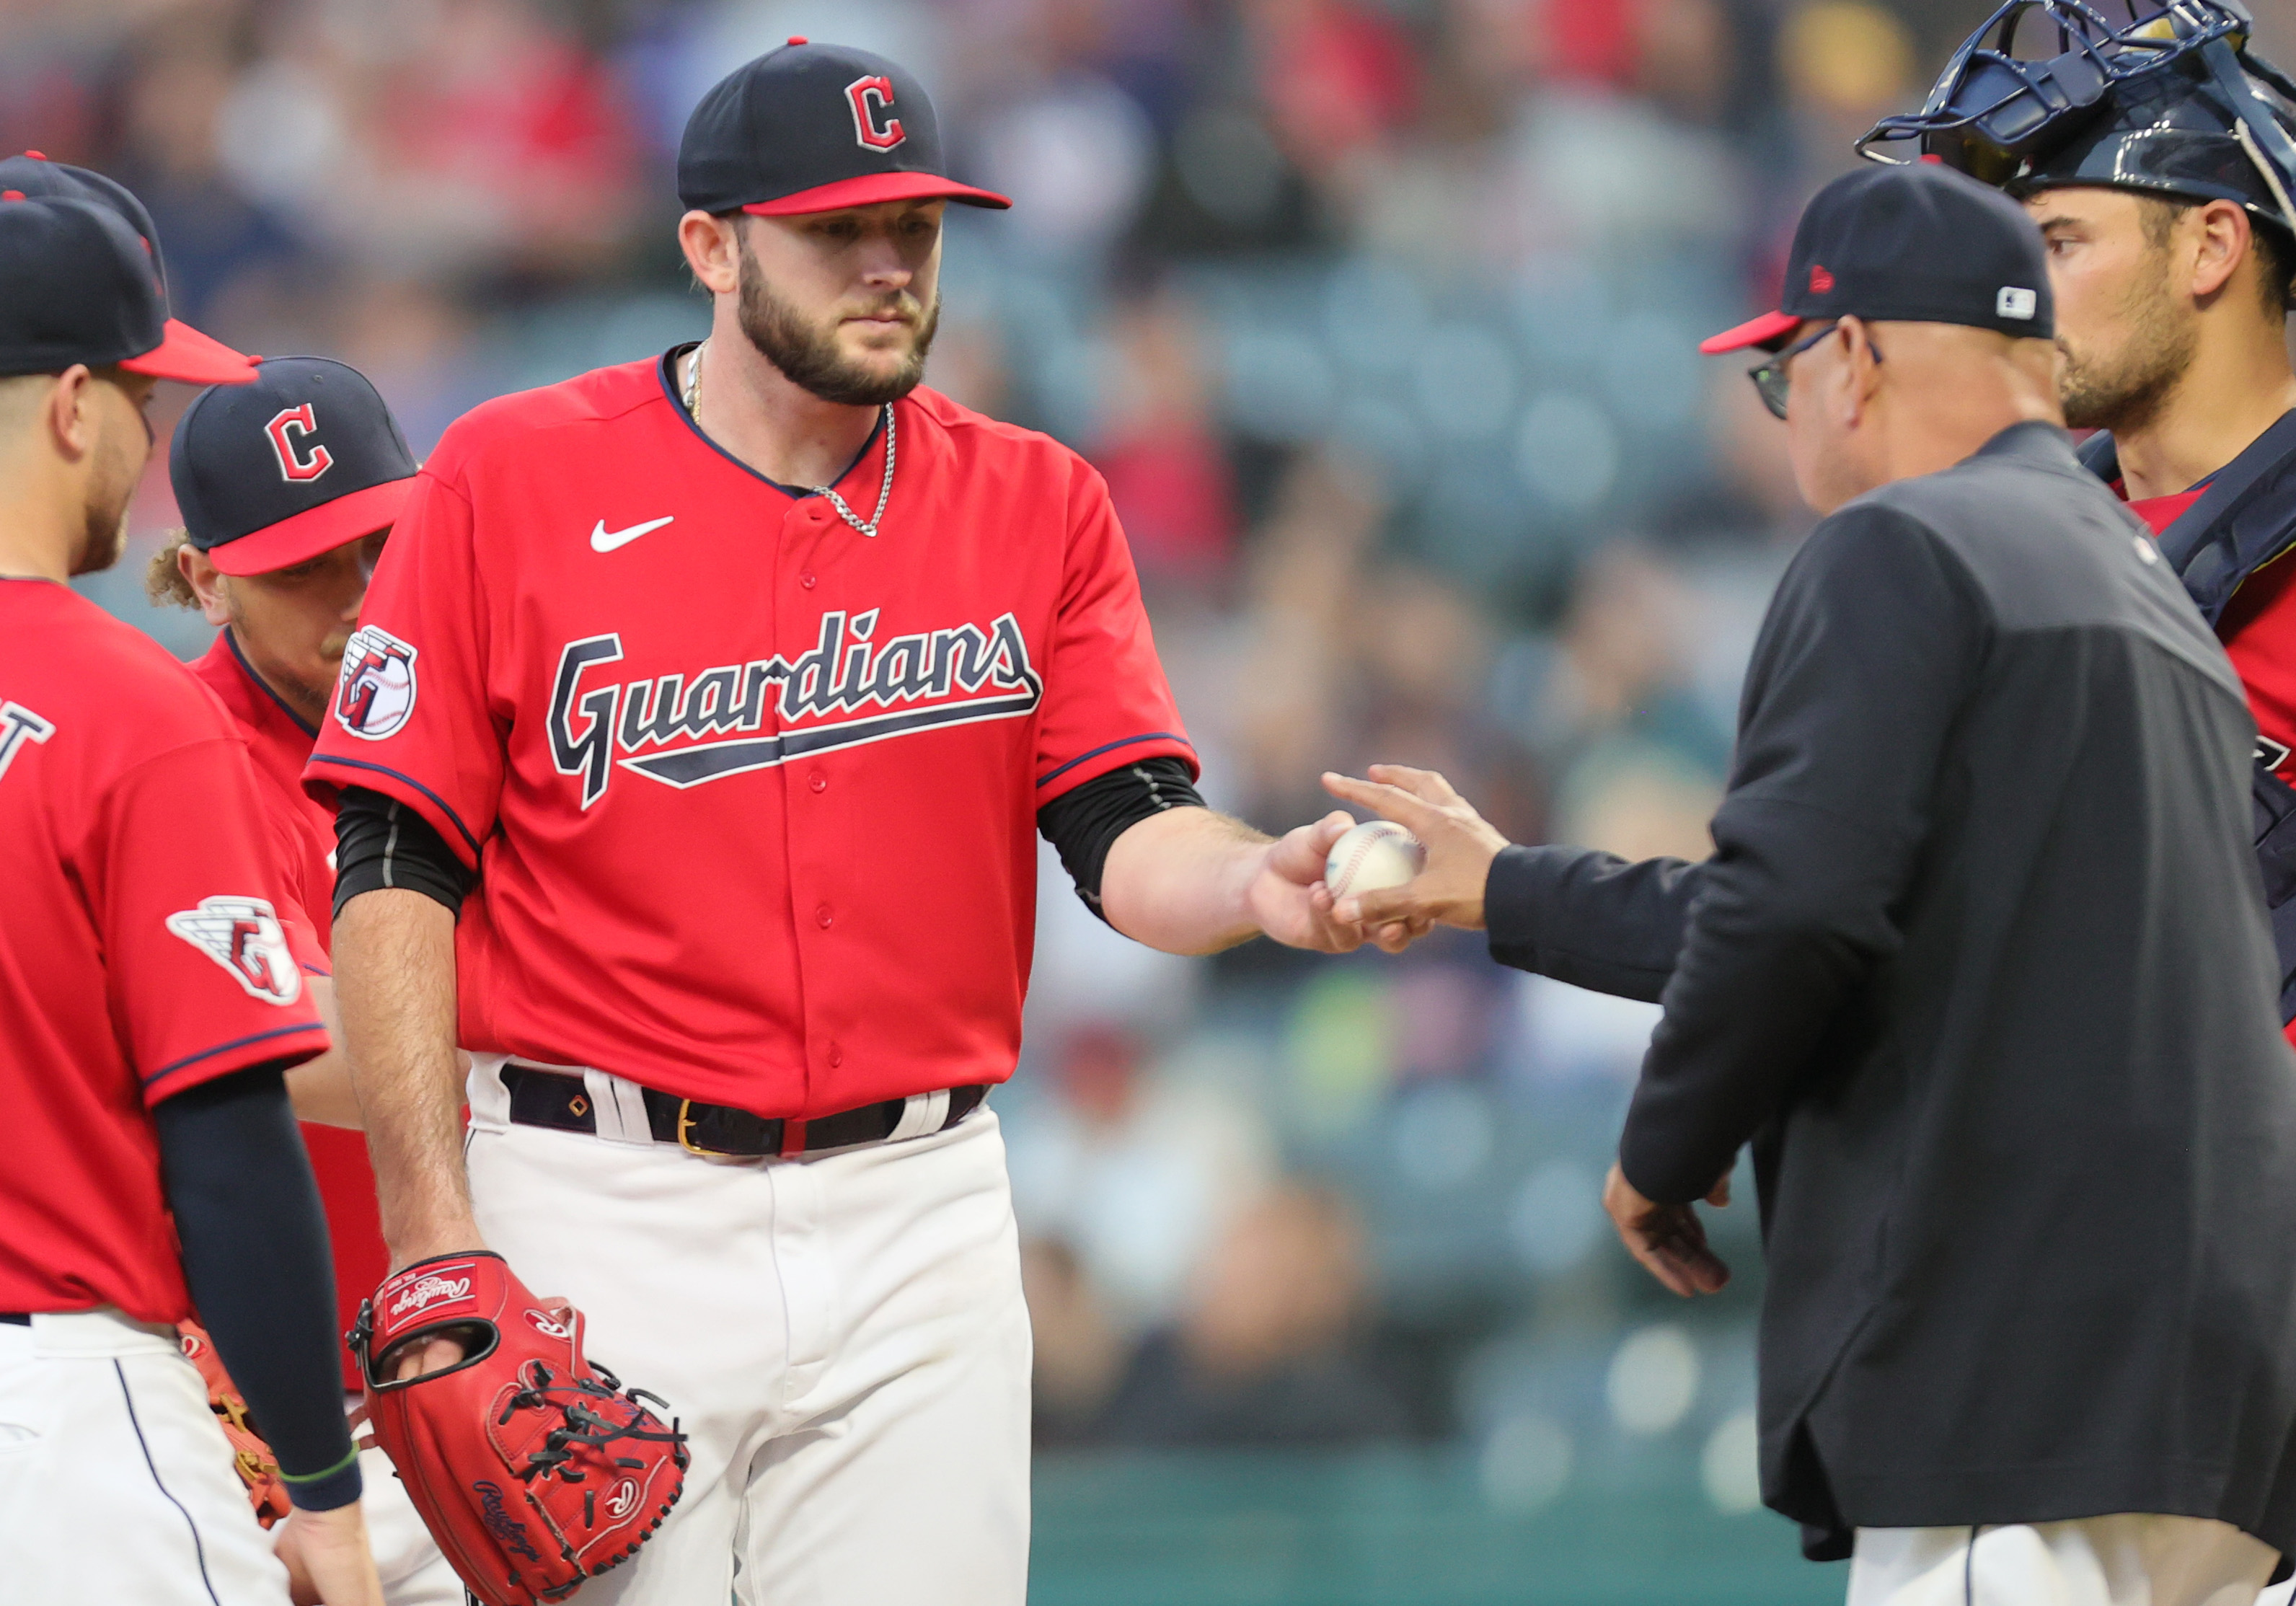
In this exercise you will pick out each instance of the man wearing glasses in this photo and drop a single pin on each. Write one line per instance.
(1979, 966)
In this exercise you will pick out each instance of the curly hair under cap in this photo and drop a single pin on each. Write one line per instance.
(163, 575)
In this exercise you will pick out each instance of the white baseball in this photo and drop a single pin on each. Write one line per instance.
(1376, 853)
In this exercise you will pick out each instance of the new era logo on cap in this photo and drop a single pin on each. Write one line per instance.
(2015, 301)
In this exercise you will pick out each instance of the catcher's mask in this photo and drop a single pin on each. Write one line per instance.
(2172, 103)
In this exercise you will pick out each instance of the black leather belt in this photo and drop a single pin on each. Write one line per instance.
(15, 1318)
(562, 1103)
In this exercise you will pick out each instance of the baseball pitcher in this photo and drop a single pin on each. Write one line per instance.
(689, 752)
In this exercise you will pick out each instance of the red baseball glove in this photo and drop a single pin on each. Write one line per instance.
(257, 1467)
(533, 1468)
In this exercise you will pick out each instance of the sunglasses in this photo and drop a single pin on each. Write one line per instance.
(1773, 383)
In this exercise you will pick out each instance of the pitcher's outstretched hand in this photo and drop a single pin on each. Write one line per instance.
(1289, 899)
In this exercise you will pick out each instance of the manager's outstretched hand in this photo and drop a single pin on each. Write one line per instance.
(1289, 899)
(1460, 844)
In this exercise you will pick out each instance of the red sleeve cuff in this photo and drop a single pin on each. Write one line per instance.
(1095, 762)
(292, 1044)
(327, 775)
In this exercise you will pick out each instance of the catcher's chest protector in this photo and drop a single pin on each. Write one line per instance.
(532, 1468)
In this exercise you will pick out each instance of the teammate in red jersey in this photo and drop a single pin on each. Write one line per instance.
(2164, 195)
(724, 694)
(288, 487)
(150, 1002)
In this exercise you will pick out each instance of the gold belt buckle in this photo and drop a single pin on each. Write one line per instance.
(685, 1125)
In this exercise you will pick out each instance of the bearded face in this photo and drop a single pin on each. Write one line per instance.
(2120, 375)
(123, 443)
(818, 355)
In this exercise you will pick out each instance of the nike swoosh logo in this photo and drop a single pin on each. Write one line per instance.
(602, 539)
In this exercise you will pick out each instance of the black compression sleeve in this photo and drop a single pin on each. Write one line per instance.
(263, 1282)
(1084, 823)
(381, 842)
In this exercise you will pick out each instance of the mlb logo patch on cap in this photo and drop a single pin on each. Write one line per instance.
(1919, 244)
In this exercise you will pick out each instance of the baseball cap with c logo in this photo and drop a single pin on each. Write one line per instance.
(813, 128)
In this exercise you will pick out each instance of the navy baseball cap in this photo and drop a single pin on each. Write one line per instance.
(813, 128)
(1914, 244)
(270, 474)
(33, 175)
(77, 284)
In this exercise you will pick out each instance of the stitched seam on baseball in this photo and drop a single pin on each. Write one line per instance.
(1354, 860)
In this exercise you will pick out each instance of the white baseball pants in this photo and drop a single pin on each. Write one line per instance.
(116, 1484)
(2129, 1559)
(842, 1334)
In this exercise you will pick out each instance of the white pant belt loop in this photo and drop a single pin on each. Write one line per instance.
(621, 1107)
(924, 1113)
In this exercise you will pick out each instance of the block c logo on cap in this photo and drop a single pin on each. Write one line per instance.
(872, 98)
(2017, 302)
(293, 463)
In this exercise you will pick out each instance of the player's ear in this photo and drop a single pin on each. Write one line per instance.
(712, 245)
(68, 414)
(207, 583)
(2224, 240)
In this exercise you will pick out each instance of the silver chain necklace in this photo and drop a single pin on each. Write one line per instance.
(693, 400)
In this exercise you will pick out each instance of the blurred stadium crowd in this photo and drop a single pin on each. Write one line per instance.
(1378, 315)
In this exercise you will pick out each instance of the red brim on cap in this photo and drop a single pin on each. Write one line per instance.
(1766, 329)
(313, 531)
(873, 189)
(185, 354)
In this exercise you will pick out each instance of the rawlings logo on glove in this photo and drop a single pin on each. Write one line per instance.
(418, 1297)
(532, 1467)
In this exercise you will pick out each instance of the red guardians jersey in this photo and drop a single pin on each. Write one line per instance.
(302, 834)
(752, 794)
(142, 951)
